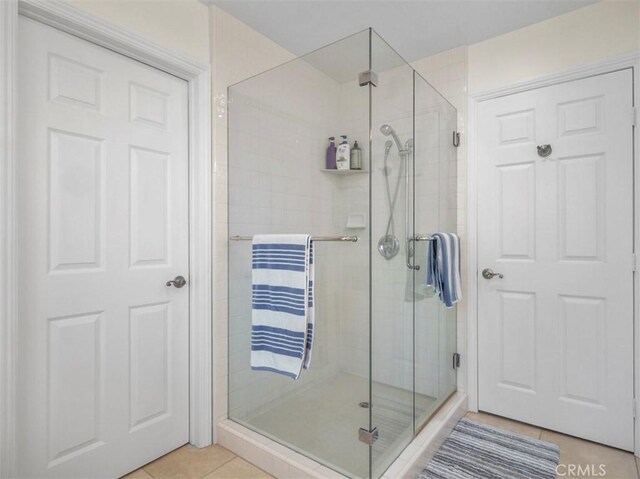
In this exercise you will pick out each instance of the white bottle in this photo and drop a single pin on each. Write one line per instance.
(343, 154)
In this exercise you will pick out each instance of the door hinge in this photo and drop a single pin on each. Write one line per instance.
(368, 437)
(634, 115)
(456, 360)
(634, 262)
(635, 407)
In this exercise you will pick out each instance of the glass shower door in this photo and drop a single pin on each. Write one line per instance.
(392, 281)
(435, 197)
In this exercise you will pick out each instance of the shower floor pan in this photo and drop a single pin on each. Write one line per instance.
(322, 422)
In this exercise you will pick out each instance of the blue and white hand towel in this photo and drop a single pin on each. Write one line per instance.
(443, 267)
(282, 303)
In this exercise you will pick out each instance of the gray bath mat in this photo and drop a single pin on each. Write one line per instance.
(478, 451)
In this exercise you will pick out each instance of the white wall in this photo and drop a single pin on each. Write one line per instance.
(587, 35)
(181, 25)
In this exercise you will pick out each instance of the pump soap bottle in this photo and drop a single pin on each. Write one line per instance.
(356, 156)
(342, 160)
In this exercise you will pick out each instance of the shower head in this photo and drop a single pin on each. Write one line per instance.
(387, 130)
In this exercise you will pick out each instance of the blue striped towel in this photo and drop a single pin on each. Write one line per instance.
(443, 267)
(282, 303)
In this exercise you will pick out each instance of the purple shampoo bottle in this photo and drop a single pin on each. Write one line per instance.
(331, 154)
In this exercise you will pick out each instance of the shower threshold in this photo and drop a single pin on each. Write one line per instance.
(322, 422)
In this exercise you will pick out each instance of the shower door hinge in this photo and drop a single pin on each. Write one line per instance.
(634, 115)
(634, 262)
(368, 437)
(456, 139)
(368, 78)
(456, 360)
(635, 407)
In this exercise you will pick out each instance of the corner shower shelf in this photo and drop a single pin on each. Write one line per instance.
(344, 172)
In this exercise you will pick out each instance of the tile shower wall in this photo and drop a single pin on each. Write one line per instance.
(352, 199)
(278, 134)
(392, 309)
(436, 202)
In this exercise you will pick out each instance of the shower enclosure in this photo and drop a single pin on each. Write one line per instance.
(384, 345)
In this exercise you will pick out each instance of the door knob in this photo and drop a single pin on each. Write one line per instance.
(544, 150)
(178, 282)
(488, 274)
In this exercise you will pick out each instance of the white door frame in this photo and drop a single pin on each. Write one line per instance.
(607, 66)
(72, 20)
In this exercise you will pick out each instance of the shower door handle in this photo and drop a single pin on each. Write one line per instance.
(410, 251)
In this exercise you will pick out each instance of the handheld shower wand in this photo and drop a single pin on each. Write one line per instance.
(389, 245)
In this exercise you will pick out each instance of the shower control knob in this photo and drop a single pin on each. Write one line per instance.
(488, 274)
(178, 282)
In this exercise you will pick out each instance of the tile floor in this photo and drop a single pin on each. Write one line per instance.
(188, 462)
(216, 462)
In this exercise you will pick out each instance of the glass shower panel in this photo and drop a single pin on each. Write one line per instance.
(435, 211)
(448, 221)
(279, 122)
(392, 282)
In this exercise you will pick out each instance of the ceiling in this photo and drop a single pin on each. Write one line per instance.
(415, 28)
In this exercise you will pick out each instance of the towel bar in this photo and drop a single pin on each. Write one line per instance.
(423, 238)
(352, 239)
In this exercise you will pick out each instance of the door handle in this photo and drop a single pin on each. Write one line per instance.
(410, 253)
(544, 150)
(488, 274)
(178, 282)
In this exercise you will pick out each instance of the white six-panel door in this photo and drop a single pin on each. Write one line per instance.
(103, 225)
(556, 332)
